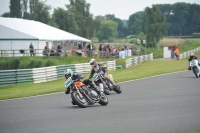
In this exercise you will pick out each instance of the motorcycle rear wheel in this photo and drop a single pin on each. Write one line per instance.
(80, 102)
(104, 100)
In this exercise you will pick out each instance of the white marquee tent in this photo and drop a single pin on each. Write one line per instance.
(18, 33)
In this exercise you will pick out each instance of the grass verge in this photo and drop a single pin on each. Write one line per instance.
(146, 69)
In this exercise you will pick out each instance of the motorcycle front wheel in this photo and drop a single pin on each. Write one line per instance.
(81, 102)
(104, 100)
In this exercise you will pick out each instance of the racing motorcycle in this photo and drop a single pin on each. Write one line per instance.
(104, 84)
(195, 67)
(85, 93)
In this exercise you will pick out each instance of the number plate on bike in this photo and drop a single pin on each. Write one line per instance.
(96, 76)
(68, 82)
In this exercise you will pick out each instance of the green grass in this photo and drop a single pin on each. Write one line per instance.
(143, 70)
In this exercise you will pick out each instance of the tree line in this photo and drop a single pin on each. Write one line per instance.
(155, 22)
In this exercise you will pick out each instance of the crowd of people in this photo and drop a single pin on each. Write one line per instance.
(52, 52)
(103, 50)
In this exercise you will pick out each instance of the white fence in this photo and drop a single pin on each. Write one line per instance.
(137, 60)
(187, 53)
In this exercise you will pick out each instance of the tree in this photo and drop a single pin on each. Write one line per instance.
(108, 30)
(83, 18)
(193, 20)
(25, 9)
(180, 14)
(156, 26)
(97, 24)
(39, 11)
(136, 27)
(65, 20)
(136, 23)
(121, 29)
(15, 9)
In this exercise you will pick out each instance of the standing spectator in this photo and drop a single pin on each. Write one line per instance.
(31, 49)
(176, 52)
(46, 49)
(100, 50)
(59, 49)
(90, 48)
(79, 46)
(132, 50)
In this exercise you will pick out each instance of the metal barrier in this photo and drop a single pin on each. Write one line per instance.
(44, 74)
(187, 53)
(137, 60)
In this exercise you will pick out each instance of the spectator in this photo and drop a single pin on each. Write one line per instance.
(100, 50)
(46, 49)
(59, 49)
(79, 45)
(90, 48)
(176, 52)
(53, 52)
(31, 49)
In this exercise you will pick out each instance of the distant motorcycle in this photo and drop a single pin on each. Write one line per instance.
(100, 81)
(84, 93)
(195, 67)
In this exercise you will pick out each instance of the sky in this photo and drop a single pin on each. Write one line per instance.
(120, 8)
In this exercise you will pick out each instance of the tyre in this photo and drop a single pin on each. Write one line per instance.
(104, 100)
(195, 71)
(117, 89)
(107, 91)
(77, 100)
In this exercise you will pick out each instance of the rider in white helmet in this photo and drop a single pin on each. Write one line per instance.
(192, 56)
(95, 68)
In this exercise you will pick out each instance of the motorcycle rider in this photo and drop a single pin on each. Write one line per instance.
(95, 68)
(192, 56)
(69, 73)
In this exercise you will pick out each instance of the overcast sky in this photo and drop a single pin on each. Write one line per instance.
(120, 8)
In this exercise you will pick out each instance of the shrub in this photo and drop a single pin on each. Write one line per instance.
(48, 63)
(14, 64)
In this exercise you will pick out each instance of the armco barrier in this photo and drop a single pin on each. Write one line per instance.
(137, 60)
(44, 74)
(24, 76)
(187, 53)
(7, 77)
(39, 75)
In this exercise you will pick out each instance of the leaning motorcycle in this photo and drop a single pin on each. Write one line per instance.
(84, 93)
(195, 67)
(100, 81)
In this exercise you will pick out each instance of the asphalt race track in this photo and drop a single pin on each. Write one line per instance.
(162, 104)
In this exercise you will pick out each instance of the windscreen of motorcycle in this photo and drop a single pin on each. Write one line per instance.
(193, 63)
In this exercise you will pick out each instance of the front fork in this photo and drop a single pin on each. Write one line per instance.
(76, 90)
